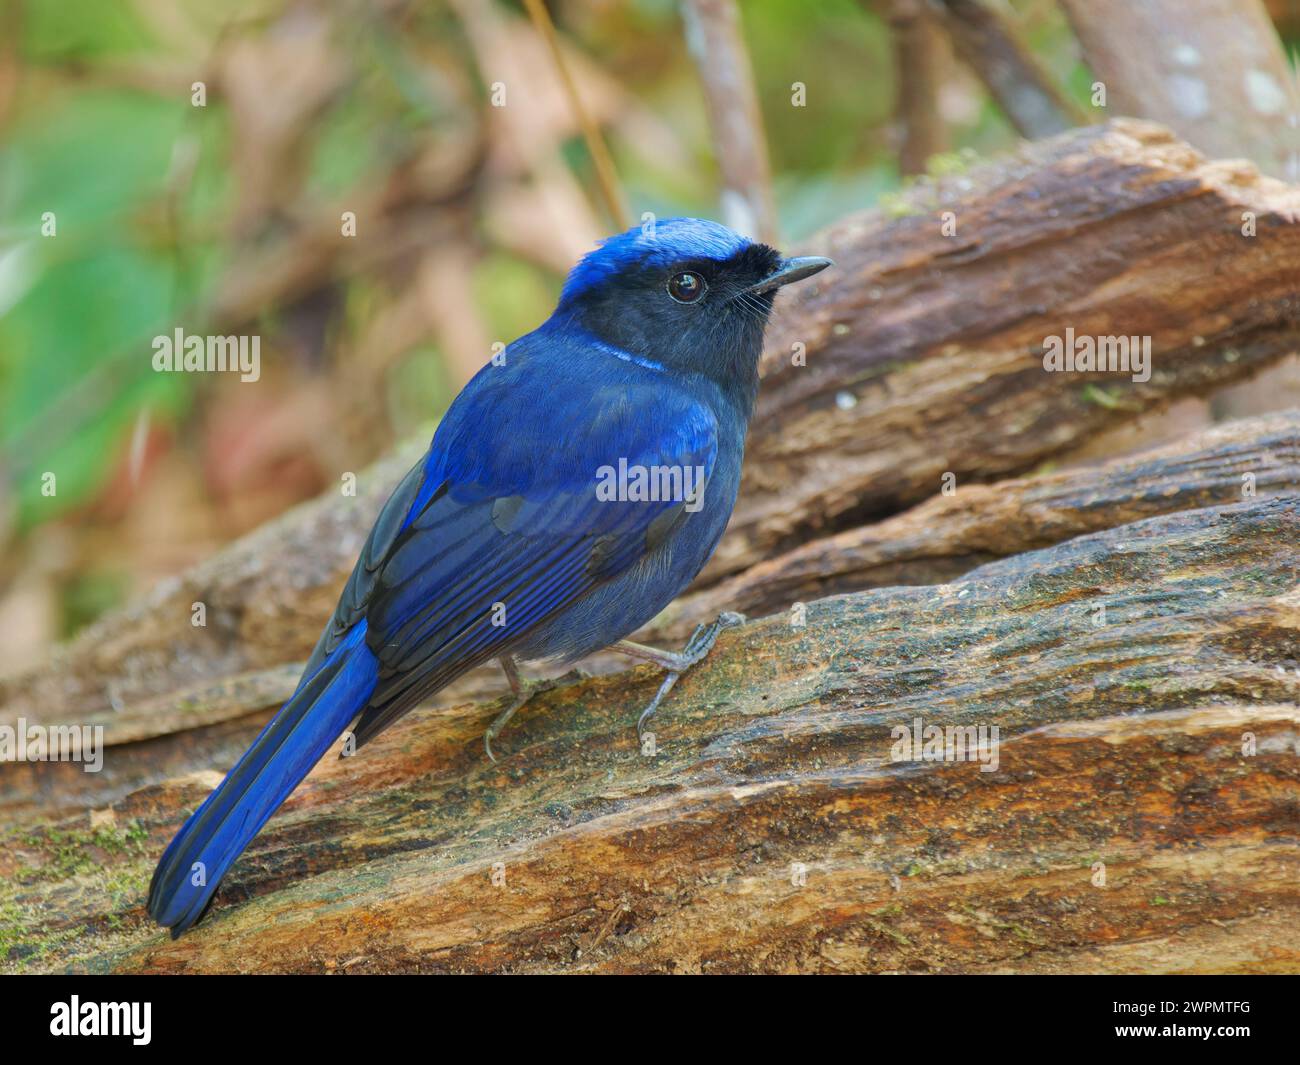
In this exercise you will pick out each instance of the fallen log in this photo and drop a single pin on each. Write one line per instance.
(950, 534)
(923, 356)
(211, 723)
(1142, 813)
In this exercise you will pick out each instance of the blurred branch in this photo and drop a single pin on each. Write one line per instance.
(990, 46)
(1218, 78)
(276, 85)
(718, 48)
(535, 206)
(606, 177)
(918, 62)
(444, 288)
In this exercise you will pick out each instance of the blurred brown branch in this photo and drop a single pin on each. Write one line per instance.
(920, 54)
(713, 34)
(991, 46)
(1213, 71)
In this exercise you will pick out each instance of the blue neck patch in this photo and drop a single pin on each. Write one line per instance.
(666, 241)
(626, 356)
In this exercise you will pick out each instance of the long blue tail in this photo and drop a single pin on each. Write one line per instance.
(292, 742)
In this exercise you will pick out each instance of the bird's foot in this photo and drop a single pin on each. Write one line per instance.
(521, 691)
(697, 647)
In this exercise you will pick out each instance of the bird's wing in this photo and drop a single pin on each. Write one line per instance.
(501, 525)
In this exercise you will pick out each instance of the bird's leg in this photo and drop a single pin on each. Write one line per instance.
(521, 691)
(699, 645)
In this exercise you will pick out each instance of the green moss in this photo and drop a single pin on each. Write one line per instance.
(69, 852)
(950, 164)
(127, 886)
(10, 916)
(892, 933)
(898, 205)
(113, 868)
(1100, 397)
(22, 941)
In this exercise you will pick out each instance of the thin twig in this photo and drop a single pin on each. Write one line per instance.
(606, 177)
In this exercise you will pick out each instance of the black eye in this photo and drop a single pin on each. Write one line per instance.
(686, 287)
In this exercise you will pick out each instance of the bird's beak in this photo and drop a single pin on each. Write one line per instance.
(791, 270)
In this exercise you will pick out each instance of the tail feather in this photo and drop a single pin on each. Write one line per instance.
(293, 741)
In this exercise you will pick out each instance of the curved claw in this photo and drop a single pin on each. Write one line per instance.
(697, 647)
(523, 691)
(705, 636)
(648, 712)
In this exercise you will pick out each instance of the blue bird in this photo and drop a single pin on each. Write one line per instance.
(578, 484)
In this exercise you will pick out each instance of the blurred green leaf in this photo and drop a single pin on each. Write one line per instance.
(80, 29)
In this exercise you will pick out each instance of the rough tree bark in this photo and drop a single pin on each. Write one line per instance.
(951, 534)
(1143, 814)
(926, 355)
(1215, 73)
(1137, 649)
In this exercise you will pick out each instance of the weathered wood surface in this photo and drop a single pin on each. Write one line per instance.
(1131, 629)
(1215, 73)
(950, 534)
(923, 356)
(1158, 738)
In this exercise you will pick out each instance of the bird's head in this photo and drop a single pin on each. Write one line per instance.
(685, 293)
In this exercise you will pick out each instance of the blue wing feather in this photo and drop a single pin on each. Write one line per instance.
(503, 534)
